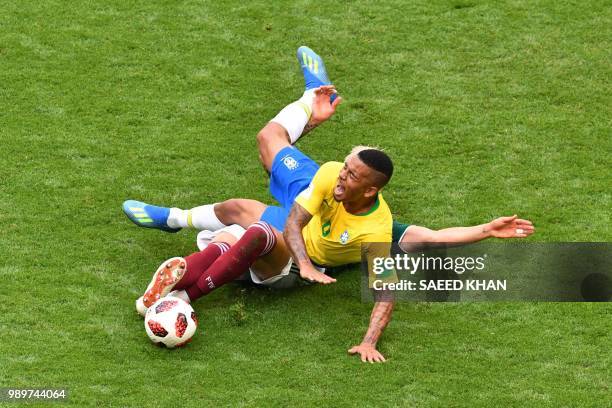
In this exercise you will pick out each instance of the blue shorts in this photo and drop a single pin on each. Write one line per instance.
(292, 172)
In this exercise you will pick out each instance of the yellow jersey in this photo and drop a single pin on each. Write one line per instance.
(334, 236)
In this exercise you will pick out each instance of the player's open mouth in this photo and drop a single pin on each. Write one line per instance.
(338, 190)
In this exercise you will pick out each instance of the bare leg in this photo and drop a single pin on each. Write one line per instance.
(226, 237)
(294, 120)
(270, 140)
(241, 211)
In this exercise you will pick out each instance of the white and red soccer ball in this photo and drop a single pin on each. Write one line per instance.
(170, 322)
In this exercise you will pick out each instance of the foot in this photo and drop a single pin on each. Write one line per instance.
(148, 216)
(313, 68)
(167, 275)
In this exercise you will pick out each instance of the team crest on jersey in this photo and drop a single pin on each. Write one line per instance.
(344, 237)
(326, 228)
(290, 162)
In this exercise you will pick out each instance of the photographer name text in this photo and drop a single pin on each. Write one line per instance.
(441, 285)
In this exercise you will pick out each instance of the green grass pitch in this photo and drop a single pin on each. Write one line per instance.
(488, 108)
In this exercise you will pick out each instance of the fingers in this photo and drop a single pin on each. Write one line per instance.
(336, 102)
(368, 355)
(523, 228)
(507, 220)
(328, 91)
(325, 90)
(524, 232)
(375, 357)
(321, 278)
(325, 280)
(372, 357)
(380, 358)
(520, 221)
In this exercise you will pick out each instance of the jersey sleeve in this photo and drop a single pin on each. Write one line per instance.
(398, 230)
(322, 183)
(376, 253)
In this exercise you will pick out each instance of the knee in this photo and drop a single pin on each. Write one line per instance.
(264, 137)
(271, 135)
(229, 211)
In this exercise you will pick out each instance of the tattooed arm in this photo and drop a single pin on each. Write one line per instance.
(383, 308)
(379, 319)
(309, 126)
(297, 220)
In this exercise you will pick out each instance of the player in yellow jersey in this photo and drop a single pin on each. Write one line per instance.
(340, 211)
(351, 211)
(348, 211)
(334, 235)
(326, 213)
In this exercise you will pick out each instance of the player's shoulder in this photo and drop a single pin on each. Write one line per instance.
(331, 167)
(328, 172)
(380, 220)
(385, 211)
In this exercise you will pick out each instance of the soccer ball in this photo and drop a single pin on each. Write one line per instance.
(170, 322)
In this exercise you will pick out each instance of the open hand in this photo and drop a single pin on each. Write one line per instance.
(511, 227)
(322, 108)
(312, 275)
(368, 353)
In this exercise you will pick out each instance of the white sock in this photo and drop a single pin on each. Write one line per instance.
(200, 218)
(308, 98)
(295, 116)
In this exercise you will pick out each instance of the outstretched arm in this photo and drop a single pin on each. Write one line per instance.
(502, 227)
(297, 220)
(379, 319)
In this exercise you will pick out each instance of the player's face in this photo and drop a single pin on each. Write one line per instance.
(354, 181)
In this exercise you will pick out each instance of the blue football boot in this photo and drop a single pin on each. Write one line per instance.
(313, 69)
(148, 216)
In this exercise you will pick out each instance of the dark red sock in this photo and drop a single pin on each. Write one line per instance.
(258, 240)
(199, 262)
